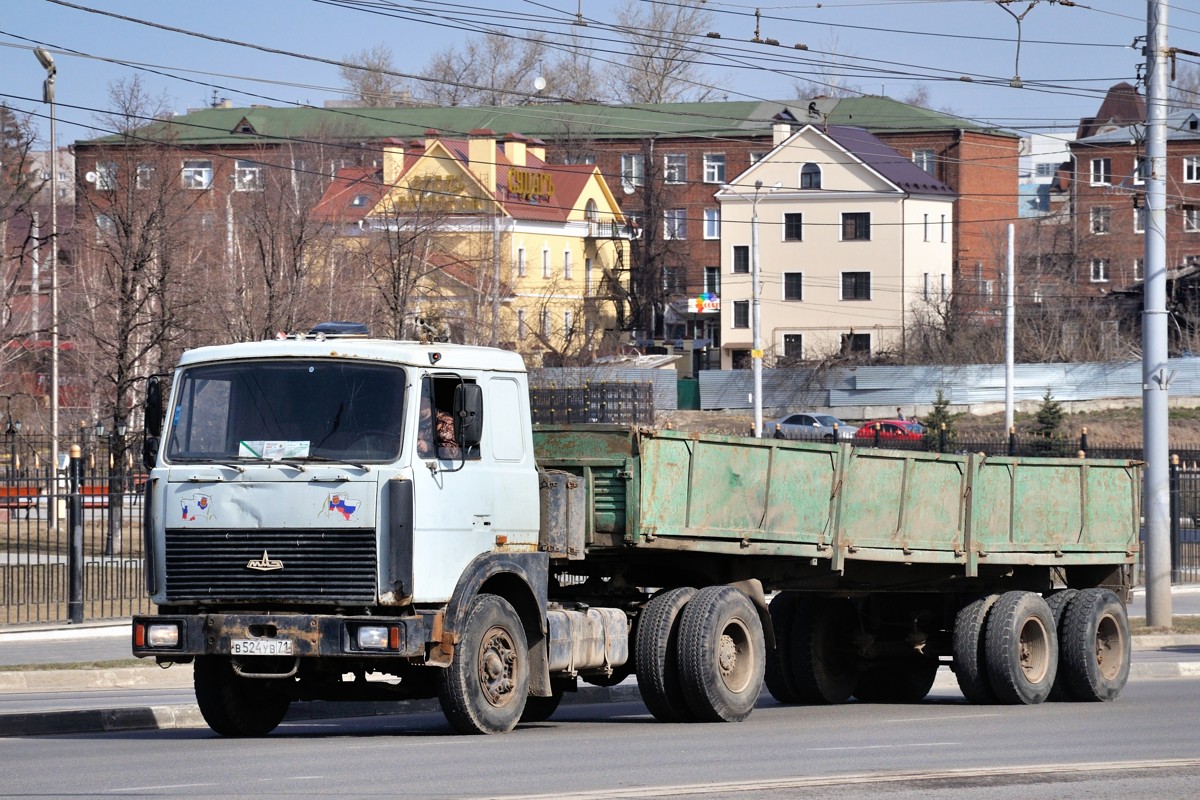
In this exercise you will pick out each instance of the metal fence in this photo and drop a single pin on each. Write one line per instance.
(601, 401)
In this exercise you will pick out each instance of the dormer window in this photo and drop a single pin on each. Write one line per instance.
(810, 176)
(359, 200)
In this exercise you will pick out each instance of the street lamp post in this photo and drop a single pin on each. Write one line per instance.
(756, 348)
(47, 62)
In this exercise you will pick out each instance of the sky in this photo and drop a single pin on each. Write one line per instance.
(1068, 55)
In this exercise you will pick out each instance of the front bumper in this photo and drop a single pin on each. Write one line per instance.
(302, 635)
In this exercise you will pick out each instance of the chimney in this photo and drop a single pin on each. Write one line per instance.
(514, 148)
(536, 148)
(481, 153)
(393, 161)
(780, 131)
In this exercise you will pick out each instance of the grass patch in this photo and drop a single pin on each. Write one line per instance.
(1179, 624)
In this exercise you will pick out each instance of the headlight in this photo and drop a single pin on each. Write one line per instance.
(162, 635)
(373, 637)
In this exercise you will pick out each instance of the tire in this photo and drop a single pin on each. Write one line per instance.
(1022, 649)
(823, 662)
(487, 683)
(1058, 601)
(655, 655)
(233, 705)
(1096, 645)
(907, 681)
(780, 681)
(970, 667)
(540, 709)
(722, 654)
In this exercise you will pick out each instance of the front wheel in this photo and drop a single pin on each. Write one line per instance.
(486, 685)
(233, 705)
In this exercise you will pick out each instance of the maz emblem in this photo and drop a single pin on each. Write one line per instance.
(264, 564)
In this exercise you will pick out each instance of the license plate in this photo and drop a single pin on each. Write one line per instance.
(261, 647)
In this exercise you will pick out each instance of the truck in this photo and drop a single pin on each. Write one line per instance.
(309, 535)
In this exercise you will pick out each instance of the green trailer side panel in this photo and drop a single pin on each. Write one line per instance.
(903, 501)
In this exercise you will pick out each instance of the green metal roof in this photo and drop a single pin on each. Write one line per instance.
(220, 126)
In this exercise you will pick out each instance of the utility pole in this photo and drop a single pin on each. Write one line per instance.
(1156, 377)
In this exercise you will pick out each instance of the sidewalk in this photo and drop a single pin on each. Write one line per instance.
(158, 694)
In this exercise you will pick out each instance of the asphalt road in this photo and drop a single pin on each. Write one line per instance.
(1142, 745)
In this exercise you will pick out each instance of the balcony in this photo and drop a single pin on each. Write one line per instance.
(610, 229)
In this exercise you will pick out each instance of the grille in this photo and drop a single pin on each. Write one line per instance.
(322, 565)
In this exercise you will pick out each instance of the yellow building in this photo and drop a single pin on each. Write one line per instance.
(479, 240)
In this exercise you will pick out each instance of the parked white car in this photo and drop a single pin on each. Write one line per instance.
(810, 427)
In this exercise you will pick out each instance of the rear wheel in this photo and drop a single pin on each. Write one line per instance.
(822, 650)
(486, 685)
(778, 676)
(1022, 648)
(233, 705)
(656, 655)
(721, 654)
(1058, 607)
(970, 667)
(1096, 645)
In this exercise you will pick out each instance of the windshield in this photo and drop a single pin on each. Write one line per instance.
(311, 409)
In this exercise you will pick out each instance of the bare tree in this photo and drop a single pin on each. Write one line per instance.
(830, 74)
(493, 69)
(18, 189)
(664, 62)
(373, 81)
(573, 74)
(1184, 91)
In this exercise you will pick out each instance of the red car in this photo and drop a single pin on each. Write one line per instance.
(907, 429)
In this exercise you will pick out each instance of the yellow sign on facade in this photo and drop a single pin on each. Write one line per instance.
(527, 185)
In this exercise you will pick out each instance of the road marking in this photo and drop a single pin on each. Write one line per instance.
(881, 746)
(158, 788)
(742, 787)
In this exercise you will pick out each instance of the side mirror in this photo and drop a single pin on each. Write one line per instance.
(468, 414)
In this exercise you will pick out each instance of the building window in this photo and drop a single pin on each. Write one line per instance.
(674, 224)
(145, 176)
(545, 322)
(197, 174)
(587, 273)
(106, 227)
(1139, 220)
(741, 258)
(856, 286)
(793, 227)
(756, 157)
(943, 227)
(925, 227)
(359, 200)
(1138, 269)
(858, 344)
(670, 279)
(1046, 169)
(712, 223)
(1099, 270)
(793, 286)
(1101, 171)
(106, 176)
(712, 280)
(522, 263)
(522, 328)
(633, 171)
(741, 313)
(714, 167)
(675, 168)
(925, 159)
(1191, 169)
(247, 176)
(1191, 218)
(591, 212)
(567, 264)
(810, 176)
(1101, 217)
(1141, 168)
(545, 263)
(793, 346)
(856, 226)
(568, 321)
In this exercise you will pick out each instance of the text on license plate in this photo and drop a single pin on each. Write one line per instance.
(261, 647)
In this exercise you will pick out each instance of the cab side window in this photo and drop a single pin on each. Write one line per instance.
(436, 432)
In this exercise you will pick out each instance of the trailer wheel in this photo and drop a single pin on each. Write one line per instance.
(722, 654)
(1022, 648)
(233, 705)
(907, 681)
(656, 653)
(485, 687)
(540, 709)
(778, 676)
(822, 654)
(1058, 607)
(970, 666)
(1096, 645)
